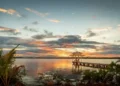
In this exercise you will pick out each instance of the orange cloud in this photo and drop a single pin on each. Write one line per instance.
(42, 15)
(5, 29)
(19, 55)
(37, 43)
(3, 10)
(54, 20)
(50, 50)
(37, 12)
(10, 11)
(56, 52)
(9, 30)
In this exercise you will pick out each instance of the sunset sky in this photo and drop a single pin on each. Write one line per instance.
(60, 27)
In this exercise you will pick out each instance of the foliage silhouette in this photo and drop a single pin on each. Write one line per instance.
(9, 74)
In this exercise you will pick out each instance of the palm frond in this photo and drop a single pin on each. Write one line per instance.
(1, 51)
(8, 57)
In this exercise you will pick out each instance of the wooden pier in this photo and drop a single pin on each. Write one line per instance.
(93, 65)
(77, 63)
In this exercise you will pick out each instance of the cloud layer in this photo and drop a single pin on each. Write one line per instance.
(46, 34)
(10, 12)
(37, 12)
(54, 20)
(60, 47)
(9, 30)
(44, 15)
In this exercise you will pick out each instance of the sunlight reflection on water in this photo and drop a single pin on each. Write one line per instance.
(35, 66)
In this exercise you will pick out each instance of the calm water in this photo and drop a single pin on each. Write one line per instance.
(35, 66)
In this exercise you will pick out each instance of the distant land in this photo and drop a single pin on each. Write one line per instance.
(67, 57)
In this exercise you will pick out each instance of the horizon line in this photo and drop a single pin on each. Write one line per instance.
(49, 57)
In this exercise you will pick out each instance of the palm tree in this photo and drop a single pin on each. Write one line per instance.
(9, 74)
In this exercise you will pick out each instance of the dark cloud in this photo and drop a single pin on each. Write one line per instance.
(30, 49)
(5, 46)
(66, 39)
(69, 39)
(46, 34)
(118, 40)
(72, 39)
(4, 40)
(35, 22)
(26, 45)
(85, 46)
(30, 29)
(9, 31)
(15, 40)
(38, 36)
(111, 52)
(110, 49)
(91, 42)
(91, 33)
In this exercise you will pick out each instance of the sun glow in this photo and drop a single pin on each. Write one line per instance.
(63, 64)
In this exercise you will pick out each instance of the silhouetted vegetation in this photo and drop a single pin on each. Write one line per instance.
(101, 77)
(10, 75)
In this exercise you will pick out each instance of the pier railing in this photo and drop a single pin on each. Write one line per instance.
(87, 64)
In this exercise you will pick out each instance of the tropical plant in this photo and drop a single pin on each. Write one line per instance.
(9, 74)
(111, 67)
(87, 74)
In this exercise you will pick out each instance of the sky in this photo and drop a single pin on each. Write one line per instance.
(60, 27)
